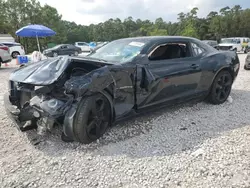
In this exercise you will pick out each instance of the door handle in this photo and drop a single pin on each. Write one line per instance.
(194, 66)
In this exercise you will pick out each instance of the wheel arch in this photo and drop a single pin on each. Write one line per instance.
(106, 92)
(15, 52)
(225, 68)
(70, 114)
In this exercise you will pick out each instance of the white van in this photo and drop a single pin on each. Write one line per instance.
(237, 44)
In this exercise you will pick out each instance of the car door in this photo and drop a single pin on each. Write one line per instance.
(85, 47)
(167, 79)
(62, 50)
(72, 49)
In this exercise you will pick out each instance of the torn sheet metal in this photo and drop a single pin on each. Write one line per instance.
(94, 81)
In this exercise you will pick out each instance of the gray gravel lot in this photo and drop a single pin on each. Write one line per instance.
(192, 145)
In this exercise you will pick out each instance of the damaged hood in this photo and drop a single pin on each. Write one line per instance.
(41, 73)
(44, 72)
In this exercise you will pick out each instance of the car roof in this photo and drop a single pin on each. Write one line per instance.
(150, 41)
(156, 38)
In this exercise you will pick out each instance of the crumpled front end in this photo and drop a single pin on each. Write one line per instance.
(36, 107)
(50, 92)
(38, 97)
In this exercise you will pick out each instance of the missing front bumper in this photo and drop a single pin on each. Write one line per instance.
(12, 111)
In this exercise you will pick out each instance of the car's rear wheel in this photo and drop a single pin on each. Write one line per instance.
(76, 53)
(92, 118)
(15, 54)
(221, 88)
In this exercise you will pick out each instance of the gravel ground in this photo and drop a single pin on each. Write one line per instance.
(192, 145)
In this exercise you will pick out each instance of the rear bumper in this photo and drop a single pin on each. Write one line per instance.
(7, 61)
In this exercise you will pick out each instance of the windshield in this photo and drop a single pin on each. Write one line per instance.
(118, 51)
(228, 40)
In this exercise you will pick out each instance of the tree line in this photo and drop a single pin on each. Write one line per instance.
(227, 22)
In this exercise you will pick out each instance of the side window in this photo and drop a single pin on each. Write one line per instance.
(169, 51)
(82, 44)
(196, 49)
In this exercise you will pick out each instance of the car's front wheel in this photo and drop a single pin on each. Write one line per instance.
(55, 54)
(221, 88)
(76, 53)
(15, 54)
(92, 118)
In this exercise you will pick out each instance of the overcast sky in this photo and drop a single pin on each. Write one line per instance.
(95, 11)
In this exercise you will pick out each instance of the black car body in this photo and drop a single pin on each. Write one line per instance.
(62, 49)
(127, 76)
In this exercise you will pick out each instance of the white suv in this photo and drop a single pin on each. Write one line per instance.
(84, 46)
(15, 48)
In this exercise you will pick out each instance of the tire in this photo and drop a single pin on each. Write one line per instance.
(55, 54)
(245, 67)
(76, 53)
(89, 125)
(221, 88)
(15, 54)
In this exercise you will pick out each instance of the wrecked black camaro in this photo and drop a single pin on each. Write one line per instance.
(127, 76)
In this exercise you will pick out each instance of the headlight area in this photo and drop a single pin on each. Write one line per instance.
(47, 111)
(38, 107)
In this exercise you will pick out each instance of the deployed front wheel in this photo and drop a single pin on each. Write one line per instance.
(92, 118)
(221, 88)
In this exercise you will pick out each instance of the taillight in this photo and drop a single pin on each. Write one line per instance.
(4, 48)
(22, 47)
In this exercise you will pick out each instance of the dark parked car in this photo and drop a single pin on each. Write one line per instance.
(62, 49)
(88, 94)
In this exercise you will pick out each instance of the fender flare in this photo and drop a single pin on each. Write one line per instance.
(217, 72)
(69, 116)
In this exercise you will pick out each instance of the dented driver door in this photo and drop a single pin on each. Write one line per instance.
(152, 83)
(164, 81)
(124, 92)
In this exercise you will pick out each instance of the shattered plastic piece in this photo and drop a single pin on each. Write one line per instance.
(198, 152)
(230, 99)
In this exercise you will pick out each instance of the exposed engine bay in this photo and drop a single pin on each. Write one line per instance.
(41, 105)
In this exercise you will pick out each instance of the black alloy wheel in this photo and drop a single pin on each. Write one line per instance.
(221, 88)
(92, 118)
